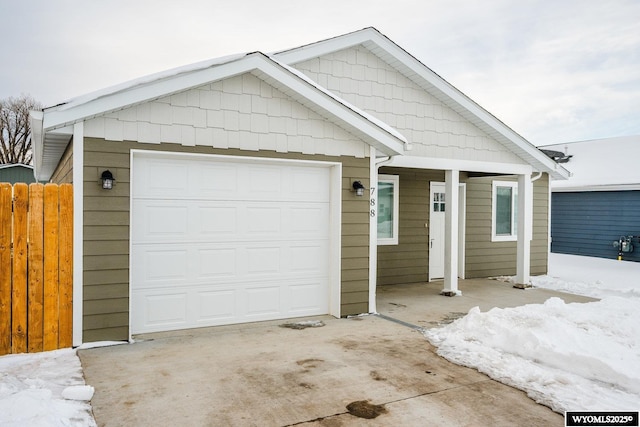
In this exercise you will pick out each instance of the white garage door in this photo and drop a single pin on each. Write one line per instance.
(221, 240)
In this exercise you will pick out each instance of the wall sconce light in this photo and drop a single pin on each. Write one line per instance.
(358, 188)
(107, 180)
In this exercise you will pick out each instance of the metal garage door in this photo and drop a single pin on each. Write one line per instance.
(220, 240)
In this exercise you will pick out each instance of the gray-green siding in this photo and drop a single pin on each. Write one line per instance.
(106, 233)
(63, 174)
(408, 261)
(485, 258)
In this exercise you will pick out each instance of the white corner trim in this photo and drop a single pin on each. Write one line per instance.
(373, 233)
(78, 225)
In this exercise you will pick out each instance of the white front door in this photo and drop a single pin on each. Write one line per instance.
(222, 240)
(436, 230)
(437, 209)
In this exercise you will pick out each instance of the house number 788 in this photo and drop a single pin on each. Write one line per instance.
(372, 202)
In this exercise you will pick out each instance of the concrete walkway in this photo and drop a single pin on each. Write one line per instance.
(263, 374)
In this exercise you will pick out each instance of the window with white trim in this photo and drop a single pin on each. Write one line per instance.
(388, 207)
(504, 211)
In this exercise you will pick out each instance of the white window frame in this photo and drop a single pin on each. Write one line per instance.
(514, 211)
(395, 181)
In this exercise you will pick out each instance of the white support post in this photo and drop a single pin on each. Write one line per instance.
(525, 215)
(373, 229)
(78, 224)
(452, 190)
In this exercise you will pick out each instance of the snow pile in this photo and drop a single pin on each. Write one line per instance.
(44, 389)
(566, 356)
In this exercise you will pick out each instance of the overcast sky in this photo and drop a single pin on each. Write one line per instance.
(553, 70)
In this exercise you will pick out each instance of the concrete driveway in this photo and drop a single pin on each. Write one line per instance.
(339, 374)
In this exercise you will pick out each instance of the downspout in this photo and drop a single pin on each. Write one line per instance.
(383, 161)
(530, 225)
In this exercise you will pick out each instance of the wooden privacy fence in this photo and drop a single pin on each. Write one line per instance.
(36, 270)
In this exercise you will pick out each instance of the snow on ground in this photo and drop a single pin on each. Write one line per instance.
(44, 389)
(567, 356)
(570, 357)
(593, 277)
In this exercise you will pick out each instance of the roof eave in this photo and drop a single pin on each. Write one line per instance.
(57, 120)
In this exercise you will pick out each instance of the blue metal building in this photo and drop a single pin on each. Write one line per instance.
(596, 211)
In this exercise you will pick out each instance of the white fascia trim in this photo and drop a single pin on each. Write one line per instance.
(354, 118)
(612, 187)
(461, 165)
(54, 119)
(468, 104)
(314, 50)
(37, 138)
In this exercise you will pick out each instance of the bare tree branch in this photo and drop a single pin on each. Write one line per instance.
(15, 132)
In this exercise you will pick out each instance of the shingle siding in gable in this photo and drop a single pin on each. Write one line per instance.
(587, 223)
(240, 112)
(366, 81)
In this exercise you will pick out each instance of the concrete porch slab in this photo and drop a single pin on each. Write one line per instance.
(422, 305)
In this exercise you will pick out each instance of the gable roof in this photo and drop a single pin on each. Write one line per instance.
(600, 164)
(53, 126)
(431, 82)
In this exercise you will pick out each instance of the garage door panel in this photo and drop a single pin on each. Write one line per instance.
(230, 242)
(216, 305)
(164, 221)
(264, 260)
(310, 185)
(215, 181)
(217, 220)
(308, 258)
(217, 263)
(263, 182)
(308, 298)
(160, 310)
(163, 265)
(310, 220)
(264, 219)
(263, 301)
(161, 178)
